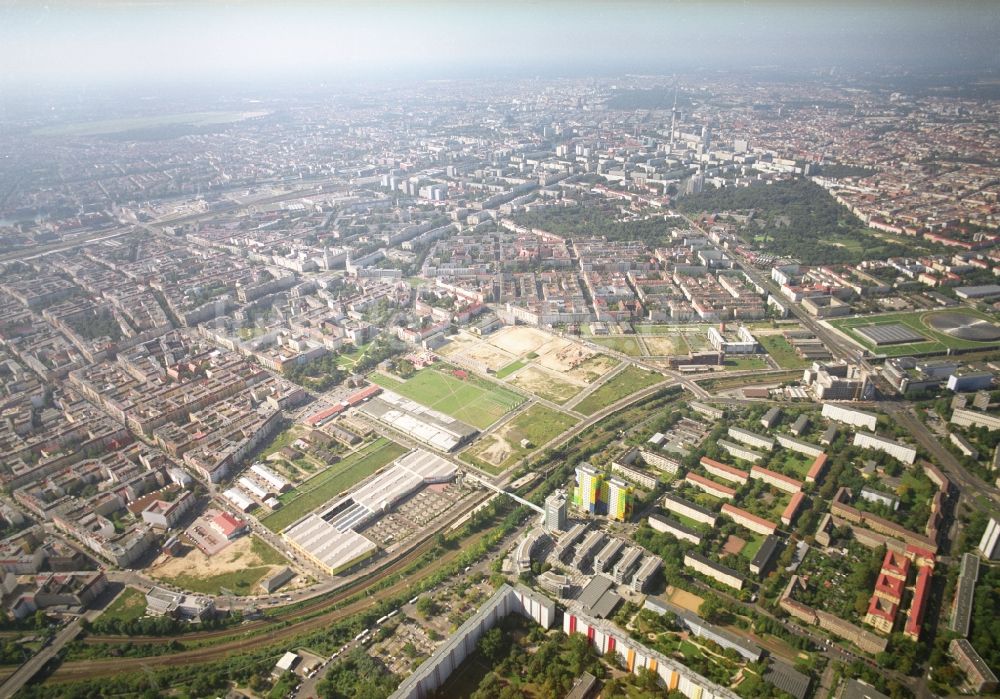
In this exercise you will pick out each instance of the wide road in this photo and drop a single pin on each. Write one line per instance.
(967, 482)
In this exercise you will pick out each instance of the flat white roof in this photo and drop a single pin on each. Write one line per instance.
(406, 474)
(239, 498)
(253, 487)
(287, 661)
(330, 547)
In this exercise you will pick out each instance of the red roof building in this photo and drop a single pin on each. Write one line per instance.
(725, 471)
(778, 480)
(749, 520)
(364, 394)
(710, 486)
(915, 618)
(817, 468)
(895, 565)
(881, 614)
(788, 516)
(888, 588)
(920, 556)
(228, 525)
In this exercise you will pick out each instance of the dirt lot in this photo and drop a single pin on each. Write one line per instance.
(237, 556)
(683, 598)
(544, 384)
(519, 340)
(458, 343)
(489, 355)
(734, 545)
(665, 346)
(593, 368)
(499, 448)
(562, 355)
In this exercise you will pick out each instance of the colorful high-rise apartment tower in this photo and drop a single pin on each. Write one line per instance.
(587, 495)
(619, 500)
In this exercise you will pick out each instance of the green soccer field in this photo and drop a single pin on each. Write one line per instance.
(472, 400)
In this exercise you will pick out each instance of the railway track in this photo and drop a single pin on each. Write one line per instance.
(278, 616)
(91, 669)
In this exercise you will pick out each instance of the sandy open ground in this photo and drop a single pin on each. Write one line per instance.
(498, 448)
(562, 355)
(593, 368)
(519, 340)
(458, 343)
(734, 544)
(237, 556)
(493, 357)
(683, 598)
(544, 384)
(663, 346)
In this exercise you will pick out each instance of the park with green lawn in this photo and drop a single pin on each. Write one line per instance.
(782, 352)
(624, 344)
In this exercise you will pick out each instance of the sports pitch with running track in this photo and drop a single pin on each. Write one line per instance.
(472, 400)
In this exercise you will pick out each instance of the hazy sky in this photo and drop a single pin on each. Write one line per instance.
(83, 42)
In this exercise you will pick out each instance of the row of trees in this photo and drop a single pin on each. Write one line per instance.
(597, 220)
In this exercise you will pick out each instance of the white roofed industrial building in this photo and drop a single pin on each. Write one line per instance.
(252, 487)
(240, 499)
(270, 477)
(431, 427)
(328, 537)
(329, 548)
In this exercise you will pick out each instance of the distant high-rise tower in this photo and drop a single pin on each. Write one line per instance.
(673, 120)
(555, 511)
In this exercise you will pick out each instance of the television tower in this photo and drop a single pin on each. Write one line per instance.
(673, 119)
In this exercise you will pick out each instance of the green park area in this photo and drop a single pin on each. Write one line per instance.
(128, 606)
(457, 393)
(332, 481)
(737, 363)
(348, 360)
(782, 352)
(506, 371)
(238, 582)
(754, 542)
(624, 383)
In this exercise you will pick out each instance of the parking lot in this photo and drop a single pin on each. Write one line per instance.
(203, 535)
